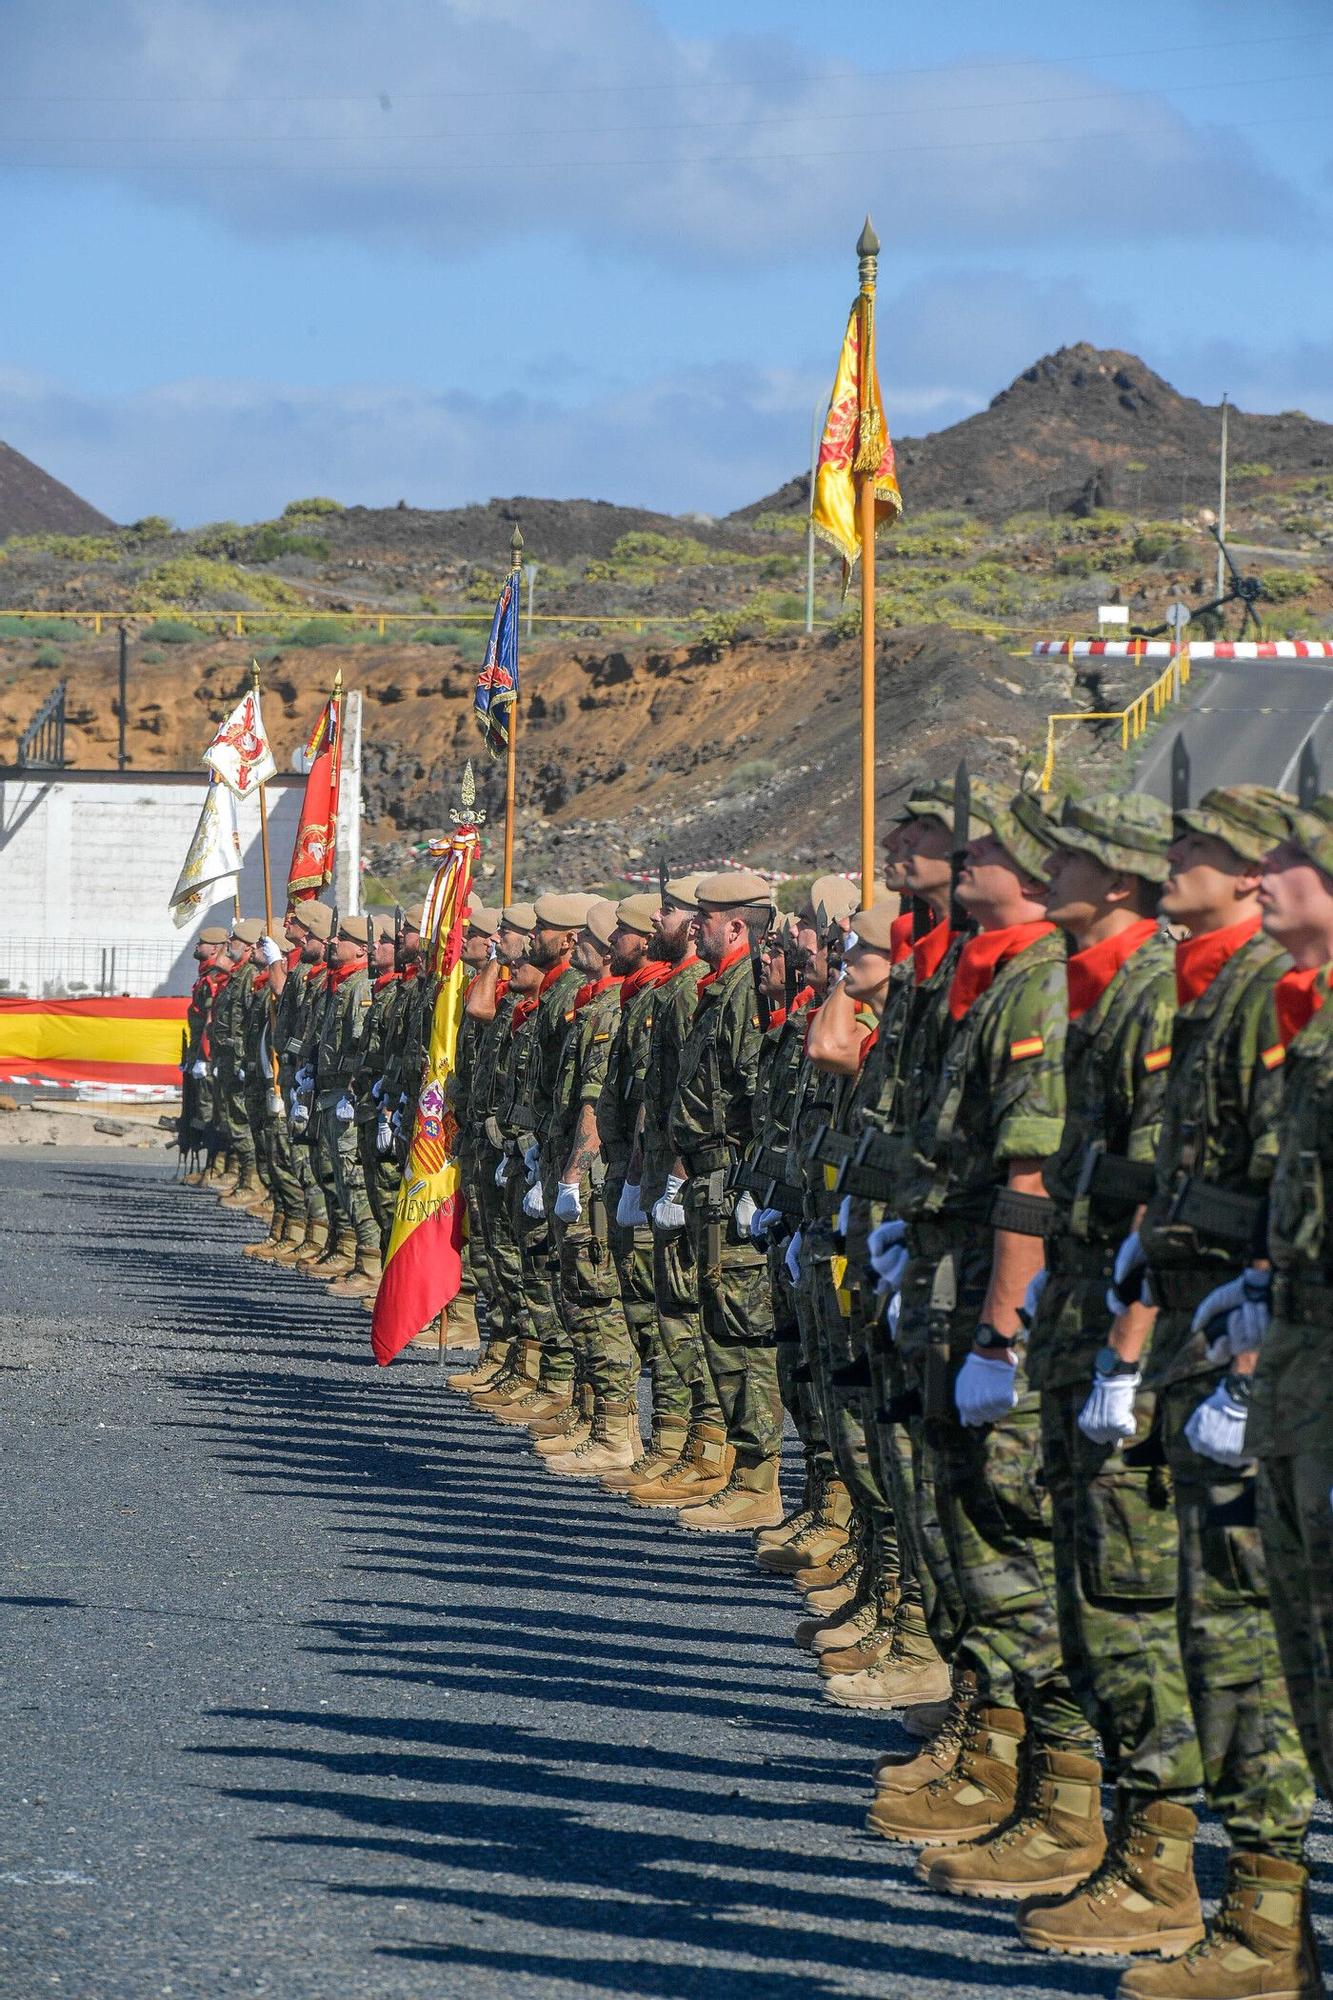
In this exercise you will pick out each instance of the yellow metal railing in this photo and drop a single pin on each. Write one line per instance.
(1133, 720)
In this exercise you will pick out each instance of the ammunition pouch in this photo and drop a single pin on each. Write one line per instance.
(709, 1160)
(1111, 1181)
(1023, 1214)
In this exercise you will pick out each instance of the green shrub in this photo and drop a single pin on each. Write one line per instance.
(744, 777)
(35, 628)
(316, 505)
(317, 632)
(272, 542)
(152, 656)
(172, 632)
(1283, 586)
(66, 548)
(718, 633)
(197, 582)
(780, 524)
(48, 656)
(1256, 470)
(151, 528)
(219, 538)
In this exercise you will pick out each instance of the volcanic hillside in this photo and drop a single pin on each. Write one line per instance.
(33, 503)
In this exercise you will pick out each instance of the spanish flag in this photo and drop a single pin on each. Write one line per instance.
(424, 1268)
(856, 442)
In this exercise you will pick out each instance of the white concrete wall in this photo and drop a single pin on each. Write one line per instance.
(88, 860)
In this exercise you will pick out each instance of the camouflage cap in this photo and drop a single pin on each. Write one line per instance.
(1311, 829)
(1251, 819)
(682, 892)
(874, 927)
(1122, 830)
(248, 930)
(518, 917)
(563, 913)
(601, 920)
(735, 890)
(212, 934)
(638, 914)
(934, 800)
(1019, 822)
(831, 900)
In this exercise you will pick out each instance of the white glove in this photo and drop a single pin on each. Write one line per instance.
(240, 1072)
(1131, 1268)
(893, 1312)
(385, 1137)
(792, 1259)
(377, 1089)
(849, 941)
(844, 1221)
(629, 1209)
(1032, 1296)
(534, 1202)
(300, 1118)
(743, 1215)
(986, 1390)
(668, 1214)
(304, 1079)
(344, 1110)
(568, 1203)
(889, 1255)
(531, 1155)
(1235, 1316)
(199, 1067)
(1217, 1428)
(502, 1170)
(1108, 1414)
(271, 952)
(761, 1223)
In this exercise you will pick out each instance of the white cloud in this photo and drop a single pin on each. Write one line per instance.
(452, 123)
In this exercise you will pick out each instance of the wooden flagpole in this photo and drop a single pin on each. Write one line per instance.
(867, 250)
(511, 757)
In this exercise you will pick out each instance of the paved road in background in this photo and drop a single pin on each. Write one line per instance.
(1245, 724)
(313, 1685)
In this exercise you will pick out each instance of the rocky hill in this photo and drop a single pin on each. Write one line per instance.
(33, 503)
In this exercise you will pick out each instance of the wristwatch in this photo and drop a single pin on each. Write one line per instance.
(988, 1336)
(1238, 1387)
(1109, 1363)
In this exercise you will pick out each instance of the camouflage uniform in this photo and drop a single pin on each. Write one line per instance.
(299, 1021)
(338, 1059)
(1291, 1412)
(380, 1173)
(1219, 1136)
(199, 1096)
(709, 1128)
(484, 1099)
(516, 1119)
(472, 1152)
(229, 1066)
(675, 1272)
(999, 1097)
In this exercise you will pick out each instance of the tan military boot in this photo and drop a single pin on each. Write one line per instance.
(521, 1377)
(703, 1471)
(662, 1451)
(320, 1246)
(907, 1771)
(846, 1576)
(841, 1628)
(543, 1402)
(865, 1651)
(1259, 1946)
(243, 1192)
(267, 1248)
(962, 1804)
(799, 1517)
(339, 1257)
(575, 1426)
(309, 1242)
(897, 1681)
(840, 1565)
(1141, 1898)
(1053, 1843)
(461, 1330)
(749, 1500)
(820, 1539)
(363, 1280)
(486, 1370)
(612, 1445)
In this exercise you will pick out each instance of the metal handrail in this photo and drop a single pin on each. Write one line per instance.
(43, 741)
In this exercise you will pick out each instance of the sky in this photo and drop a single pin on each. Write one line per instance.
(440, 250)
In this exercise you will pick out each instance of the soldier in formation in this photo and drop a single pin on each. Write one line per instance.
(1010, 1193)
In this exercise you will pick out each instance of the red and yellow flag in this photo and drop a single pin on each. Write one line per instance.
(316, 845)
(856, 442)
(423, 1271)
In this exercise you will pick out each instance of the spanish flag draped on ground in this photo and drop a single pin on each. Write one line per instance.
(856, 441)
(424, 1268)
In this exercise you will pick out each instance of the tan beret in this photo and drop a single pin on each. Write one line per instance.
(683, 891)
(315, 917)
(874, 927)
(832, 897)
(485, 922)
(355, 928)
(638, 914)
(737, 890)
(518, 917)
(601, 920)
(414, 917)
(213, 934)
(248, 929)
(563, 913)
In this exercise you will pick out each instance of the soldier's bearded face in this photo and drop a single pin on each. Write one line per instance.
(587, 956)
(512, 945)
(716, 935)
(670, 940)
(628, 951)
(546, 947)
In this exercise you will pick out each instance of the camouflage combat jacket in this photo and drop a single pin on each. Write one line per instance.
(677, 1000)
(386, 1005)
(341, 1033)
(781, 1055)
(620, 1099)
(711, 1118)
(579, 1081)
(229, 1018)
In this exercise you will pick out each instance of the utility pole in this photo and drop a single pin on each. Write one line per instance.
(122, 755)
(1222, 499)
(530, 578)
(816, 437)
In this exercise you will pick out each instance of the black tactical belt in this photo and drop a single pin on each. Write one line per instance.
(1022, 1214)
(767, 1164)
(1237, 1221)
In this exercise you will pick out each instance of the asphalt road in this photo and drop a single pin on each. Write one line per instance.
(314, 1685)
(1244, 724)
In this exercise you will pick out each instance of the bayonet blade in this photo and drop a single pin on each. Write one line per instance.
(1308, 781)
(1180, 773)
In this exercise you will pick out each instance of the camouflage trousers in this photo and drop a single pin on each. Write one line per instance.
(235, 1121)
(1254, 1771)
(381, 1175)
(927, 1593)
(676, 1303)
(540, 1281)
(504, 1262)
(736, 1315)
(1116, 1551)
(632, 1255)
(796, 1375)
(846, 1383)
(338, 1165)
(996, 1516)
(589, 1305)
(277, 1155)
(1296, 1521)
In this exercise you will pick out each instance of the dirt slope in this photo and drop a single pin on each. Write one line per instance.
(33, 503)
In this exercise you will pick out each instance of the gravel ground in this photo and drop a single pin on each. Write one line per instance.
(313, 1683)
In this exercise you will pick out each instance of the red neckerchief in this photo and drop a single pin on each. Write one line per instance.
(983, 955)
(294, 957)
(522, 1009)
(731, 958)
(260, 980)
(928, 951)
(317, 974)
(384, 979)
(900, 938)
(800, 1000)
(1200, 959)
(653, 972)
(553, 973)
(592, 987)
(1298, 997)
(1091, 971)
(412, 969)
(338, 973)
(866, 1046)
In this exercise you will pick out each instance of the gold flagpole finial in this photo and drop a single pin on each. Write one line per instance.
(467, 793)
(254, 673)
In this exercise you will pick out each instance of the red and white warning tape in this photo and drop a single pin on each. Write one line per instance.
(1202, 649)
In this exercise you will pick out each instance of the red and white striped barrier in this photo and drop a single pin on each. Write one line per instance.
(1200, 649)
